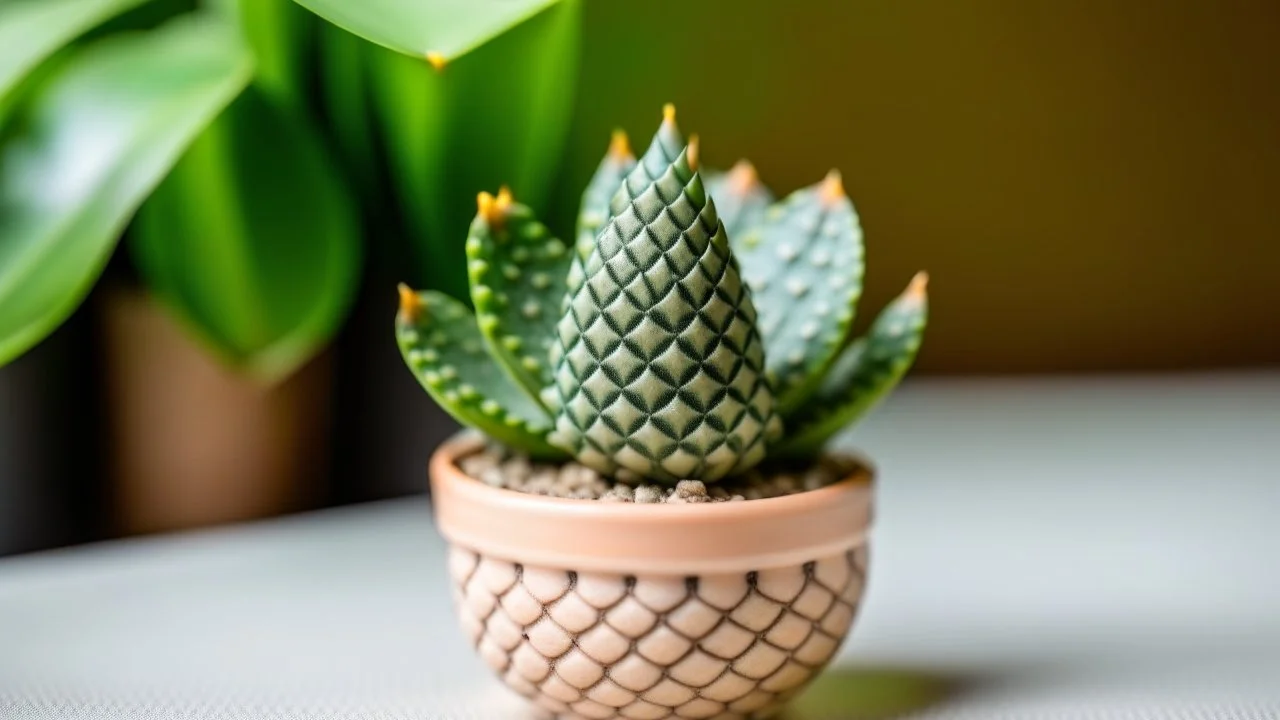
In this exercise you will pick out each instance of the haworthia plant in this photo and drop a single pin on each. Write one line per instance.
(661, 367)
(865, 372)
(691, 331)
(517, 272)
(441, 344)
(740, 197)
(804, 264)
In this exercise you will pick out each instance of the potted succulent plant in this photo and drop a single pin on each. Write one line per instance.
(652, 528)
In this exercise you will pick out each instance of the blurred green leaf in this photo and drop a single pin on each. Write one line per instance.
(345, 98)
(97, 140)
(32, 30)
(499, 115)
(280, 35)
(443, 29)
(252, 240)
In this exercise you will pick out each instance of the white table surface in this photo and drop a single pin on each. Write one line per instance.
(1049, 548)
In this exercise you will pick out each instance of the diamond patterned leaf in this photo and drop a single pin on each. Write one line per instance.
(517, 271)
(660, 368)
(618, 166)
(593, 213)
(804, 265)
(741, 199)
(441, 344)
(664, 149)
(867, 371)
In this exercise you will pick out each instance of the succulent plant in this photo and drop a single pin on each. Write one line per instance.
(694, 327)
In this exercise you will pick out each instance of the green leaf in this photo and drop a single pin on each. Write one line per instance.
(864, 374)
(344, 93)
(517, 271)
(442, 346)
(660, 370)
(443, 29)
(741, 199)
(99, 138)
(804, 265)
(593, 212)
(667, 145)
(498, 116)
(33, 30)
(280, 35)
(252, 240)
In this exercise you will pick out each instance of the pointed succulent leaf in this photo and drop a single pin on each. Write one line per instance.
(594, 210)
(593, 213)
(804, 266)
(663, 151)
(517, 271)
(661, 368)
(442, 346)
(864, 374)
(618, 167)
(741, 199)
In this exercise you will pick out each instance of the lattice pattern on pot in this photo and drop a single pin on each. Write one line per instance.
(592, 645)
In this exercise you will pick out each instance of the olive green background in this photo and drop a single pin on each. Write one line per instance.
(1091, 185)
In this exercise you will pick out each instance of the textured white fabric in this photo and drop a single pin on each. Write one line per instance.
(1102, 549)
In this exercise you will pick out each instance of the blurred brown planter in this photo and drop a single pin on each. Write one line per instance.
(191, 442)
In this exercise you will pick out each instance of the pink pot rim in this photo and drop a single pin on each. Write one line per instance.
(623, 538)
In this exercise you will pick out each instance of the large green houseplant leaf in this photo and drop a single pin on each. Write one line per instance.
(440, 29)
(252, 239)
(33, 30)
(499, 115)
(93, 145)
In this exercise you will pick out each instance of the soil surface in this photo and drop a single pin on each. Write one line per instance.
(499, 467)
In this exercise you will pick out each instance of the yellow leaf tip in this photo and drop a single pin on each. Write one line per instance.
(494, 209)
(669, 113)
(916, 290)
(437, 60)
(832, 187)
(620, 146)
(691, 152)
(410, 303)
(742, 177)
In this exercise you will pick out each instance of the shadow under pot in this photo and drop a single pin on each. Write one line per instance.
(637, 611)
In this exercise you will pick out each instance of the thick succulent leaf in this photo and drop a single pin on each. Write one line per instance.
(664, 149)
(863, 374)
(442, 29)
(660, 368)
(497, 116)
(517, 271)
(804, 266)
(624, 179)
(593, 212)
(741, 199)
(252, 239)
(442, 346)
(33, 30)
(101, 135)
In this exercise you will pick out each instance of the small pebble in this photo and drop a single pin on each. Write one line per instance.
(648, 494)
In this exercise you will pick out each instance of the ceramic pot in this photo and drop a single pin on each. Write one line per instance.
(615, 610)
